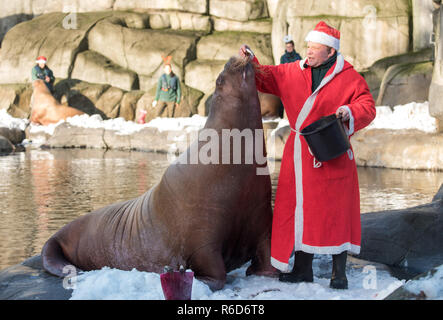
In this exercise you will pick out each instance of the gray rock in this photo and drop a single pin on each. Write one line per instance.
(408, 240)
(28, 281)
(403, 293)
(134, 49)
(375, 74)
(259, 26)
(5, 145)
(14, 135)
(68, 136)
(223, 45)
(190, 21)
(398, 149)
(128, 105)
(26, 41)
(196, 6)
(91, 66)
(422, 29)
(240, 10)
(436, 89)
(406, 82)
(201, 74)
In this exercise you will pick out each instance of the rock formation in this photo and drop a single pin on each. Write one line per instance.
(120, 43)
(410, 239)
(436, 89)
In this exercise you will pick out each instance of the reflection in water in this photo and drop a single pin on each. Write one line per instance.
(389, 189)
(42, 190)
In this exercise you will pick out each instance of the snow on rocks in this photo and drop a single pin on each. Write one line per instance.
(430, 286)
(366, 282)
(409, 116)
(8, 121)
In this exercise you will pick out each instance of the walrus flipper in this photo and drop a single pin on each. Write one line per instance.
(54, 260)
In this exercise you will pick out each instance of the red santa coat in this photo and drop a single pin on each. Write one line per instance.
(317, 208)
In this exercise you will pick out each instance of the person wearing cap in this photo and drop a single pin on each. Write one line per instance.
(41, 71)
(290, 54)
(317, 205)
(168, 92)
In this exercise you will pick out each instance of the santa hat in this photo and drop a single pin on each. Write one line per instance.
(325, 34)
(41, 59)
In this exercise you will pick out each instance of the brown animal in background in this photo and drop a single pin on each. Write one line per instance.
(45, 109)
(271, 106)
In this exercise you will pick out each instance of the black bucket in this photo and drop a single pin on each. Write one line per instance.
(326, 138)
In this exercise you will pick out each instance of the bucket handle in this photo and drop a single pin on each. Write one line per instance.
(349, 131)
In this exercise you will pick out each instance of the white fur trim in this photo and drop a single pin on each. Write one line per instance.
(323, 38)
(352, 248)
(40, 61)
(284, 267)
(349, 131)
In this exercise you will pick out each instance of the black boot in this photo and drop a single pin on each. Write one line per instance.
(338, 278)
(302, 270)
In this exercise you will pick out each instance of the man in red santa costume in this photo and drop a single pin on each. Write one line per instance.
(317, 205)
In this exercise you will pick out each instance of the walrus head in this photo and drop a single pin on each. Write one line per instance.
(237, 76)
(235, 98)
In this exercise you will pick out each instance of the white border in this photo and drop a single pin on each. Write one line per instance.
(284, 267)
(323, 38)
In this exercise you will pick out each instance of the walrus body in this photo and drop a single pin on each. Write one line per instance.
(46, 109)
(211, 218)
(408, 240)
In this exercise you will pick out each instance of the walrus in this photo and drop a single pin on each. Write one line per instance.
(211, 218)
(45, 109)
(271, 106)
(409, 241)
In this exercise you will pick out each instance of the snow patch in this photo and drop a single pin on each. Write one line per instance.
(431, 285)
(110, 284)
(409, 116)
(8, 121)
(124, 127)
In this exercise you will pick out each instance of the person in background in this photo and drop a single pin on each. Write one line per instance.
(290, 54)
(168, 92)
(41, 71)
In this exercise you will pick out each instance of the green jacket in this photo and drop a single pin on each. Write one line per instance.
(168, 89)
(39, 73)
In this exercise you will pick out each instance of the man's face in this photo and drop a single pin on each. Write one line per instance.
(42, 65)
(289, 47)
(318, 54)
(167, 69)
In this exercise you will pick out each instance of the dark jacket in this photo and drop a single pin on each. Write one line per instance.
(39, 73)
(289, 57)
(319, 72)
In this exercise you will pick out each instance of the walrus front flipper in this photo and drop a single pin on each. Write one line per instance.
(54, 260)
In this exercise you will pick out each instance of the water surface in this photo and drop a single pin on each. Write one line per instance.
(42, 190)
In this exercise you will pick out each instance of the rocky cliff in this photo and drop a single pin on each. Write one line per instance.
(117, 45)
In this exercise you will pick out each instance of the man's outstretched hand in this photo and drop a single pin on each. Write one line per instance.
(245, 51)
